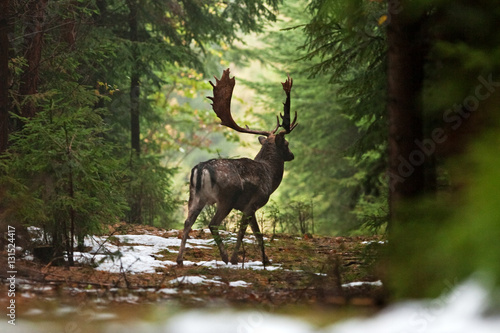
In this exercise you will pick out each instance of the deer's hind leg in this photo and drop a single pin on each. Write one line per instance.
(195, 207)
(221, 213)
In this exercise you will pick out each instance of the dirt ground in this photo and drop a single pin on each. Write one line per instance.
(313, 271)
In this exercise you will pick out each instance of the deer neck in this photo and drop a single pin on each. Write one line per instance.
(274, 163)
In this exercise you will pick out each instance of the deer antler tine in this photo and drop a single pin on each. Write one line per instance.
(277, 125)
(294, 122)
(287, 87)
(223, 91)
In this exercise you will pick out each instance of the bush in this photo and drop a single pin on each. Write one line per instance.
(60, 175)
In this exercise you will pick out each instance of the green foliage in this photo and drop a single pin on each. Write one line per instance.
(295, 217)
(346, 42)
(452, 234)
(70, 168)
(149, 184)
(59, 173)
(452, 237)
(158, 49)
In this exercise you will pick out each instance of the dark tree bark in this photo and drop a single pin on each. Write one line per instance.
(33, 41)
(134, 80)
(4, 75)
(68, 30)
(135, 129)
(405, 72)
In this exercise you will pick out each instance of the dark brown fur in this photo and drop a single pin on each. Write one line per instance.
(241, 184)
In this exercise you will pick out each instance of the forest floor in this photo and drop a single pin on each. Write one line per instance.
(312, 271)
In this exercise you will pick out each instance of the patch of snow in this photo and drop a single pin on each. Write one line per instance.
(195, 279)
(201, 279)
(371, 242)
(37, 234)
(461, 311)
(130, 298)
(36, 288)
(239, 283)
(168, 291)
(136, 259)
(197, 321)
(158, 243)
(140, 253)
(77, 290)
(256, 265)
(362, 283)
(34, 312)
(27, 295)
(65, 310)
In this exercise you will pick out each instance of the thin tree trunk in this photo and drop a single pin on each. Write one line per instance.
(70, 247)
(68, 30)
(4, 75)
(406, 55)
(135, 130)
(33, 41)
(134, 79)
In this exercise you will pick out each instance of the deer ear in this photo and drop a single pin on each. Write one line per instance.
(262, 139)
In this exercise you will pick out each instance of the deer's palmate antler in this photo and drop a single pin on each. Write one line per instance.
(241, 184)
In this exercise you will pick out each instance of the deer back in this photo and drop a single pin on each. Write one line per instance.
(243, 181)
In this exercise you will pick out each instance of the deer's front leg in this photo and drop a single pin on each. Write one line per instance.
(222, 212)
(260, 240)
(241, 234)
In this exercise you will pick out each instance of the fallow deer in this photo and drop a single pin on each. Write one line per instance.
(241, 184)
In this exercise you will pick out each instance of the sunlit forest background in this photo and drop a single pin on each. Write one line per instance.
(103, 114)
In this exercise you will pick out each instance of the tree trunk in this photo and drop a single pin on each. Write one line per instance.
(68, 30)
(135, 130)
(33, 41)
(70, 246)
(4, 75)
(405, 72)
(134, 79)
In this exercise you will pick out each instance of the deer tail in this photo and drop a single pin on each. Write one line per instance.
(200, 174)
